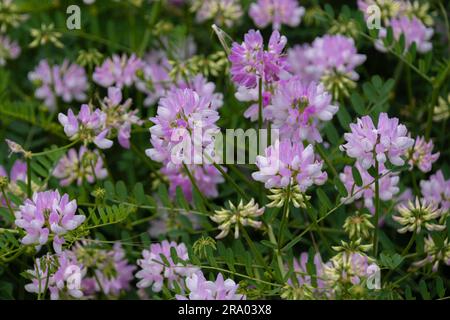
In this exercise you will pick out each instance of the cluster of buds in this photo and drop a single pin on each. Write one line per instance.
(436, 253)
(46, 34)
(240, 215)
(358, 225)
(348, 248)
(339, 84)
(294, 195)
(415, 215)
(200, 246)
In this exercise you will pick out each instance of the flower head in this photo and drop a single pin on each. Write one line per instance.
(48, 214)
(421, 155)
(223, 12)
(277, 12)
(418, 214)
(367, 143)
(9, 50)
(118, 71)
(358, 225)
(437, 190)
(435, 253)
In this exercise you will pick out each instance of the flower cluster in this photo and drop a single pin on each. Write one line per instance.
(154, 270)
(368, 144)
(223, 12)
(118, 71)
(9, 50)
(79, 166)
(67, 81)
(47, 215)
(277, 12)
(202, 289)
(437, 190)
(18, 173)
(421, 155)
(288, 163)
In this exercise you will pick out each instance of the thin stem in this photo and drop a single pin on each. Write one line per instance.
(377, 209)
(29, 177)
(405, 251)
(44, 153)
(8, 203)
(231, 180)
(284, 216)
(260, 110)
(194, 184)
(277, 251)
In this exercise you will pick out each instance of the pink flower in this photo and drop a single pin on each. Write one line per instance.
(9, 50)
(422, 156)
(154, 272)
(437, 190)
(201, 289)
(67, 81)
(366, 142)
(277, 12)
(118, 71)
(63, 283)
(45, 214)
(204, 89)
(287, 163)
(88, 125)
(297, 108)
(413, 30)
(78, 166)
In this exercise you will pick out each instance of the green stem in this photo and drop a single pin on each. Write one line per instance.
(277, 251)
(8, 203)
(43, 153)
(29, 177)
(231, 180)
(284, 216)
(377, 209)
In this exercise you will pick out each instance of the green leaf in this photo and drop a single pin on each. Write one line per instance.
(423, 289)
(357, 176)
(357, 103)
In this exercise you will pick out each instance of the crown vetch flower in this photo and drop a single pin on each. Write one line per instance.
(422, 156)
(287, 163)
(118, 71)
(435, 254)
(297, 108)
(201, 289)
(437, 190)
(46, 214)
(61, 274)
(88, 125)
(366, 142)
(418, 214)
(277, 12)
(67, 81)
(9, 50)
(154, 270)
(78, 166)
(224, 12)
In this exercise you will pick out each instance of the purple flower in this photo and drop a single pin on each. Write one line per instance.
(62, 274)
(366, 142)
(288, 162)
(88, 125)
(46, 214)
(413, 30)
(422, 154)
(303, 276)
(297, 108)
(119, 118)
(67, 81)
(118, 71)
(437, 190)
(249, 60)
(204, 89)
(326, 55)
(78, 166)
(388, 185)
(154, 272)
(277, 12)
(201, 289)
(184, 128)
(9, 50)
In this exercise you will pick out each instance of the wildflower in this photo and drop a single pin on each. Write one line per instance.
(388, 8)
(421, 154)
(119, 118)
(44, 35)
(89, 58)
(315, 282)
(185, 123)
(418, 214)
(61, 274)
(112, 272)
(204, 89)
(10, 15)
(348, 248)
(67, 81)
(78, 166)
(419, 10)
(201, 289)
(436, 190)
(287, 163)
(201, 244)
(388, 182)
(280, 196)
(223, 12)
(413, 30)
(328, 57)
(367, 143)
(250, 62)
(118, 71)
(442, 109)
(206, 176)
(48, 214)
(358, 226)
(88, 126)
(277, 12)
(240, 215)
(154, 270)
(297, 109)
(9, 50)
(436, 252)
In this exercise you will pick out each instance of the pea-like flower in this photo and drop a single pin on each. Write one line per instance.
(48, 214)
(436, 190)
(223, 12)
(358, 226)
(9, 50)
(118, 71)
(436, 253)
(367, 143)
(277, 12)
(421, 155)
(417, 215)
(294, 195)
(237, 216)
